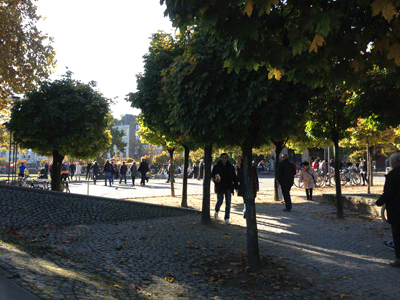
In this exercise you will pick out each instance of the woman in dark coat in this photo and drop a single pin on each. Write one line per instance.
(391, 197)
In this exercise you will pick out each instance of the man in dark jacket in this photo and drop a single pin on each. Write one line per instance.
(122, 172)
(286, 173)
(143, 169)
(224, 177)
(108, 172)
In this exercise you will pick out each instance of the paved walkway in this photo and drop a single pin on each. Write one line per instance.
(313, 255)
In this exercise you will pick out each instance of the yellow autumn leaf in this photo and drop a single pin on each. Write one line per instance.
(385, 7)
(118, 286)
(267, 8)
(318, 41)
(276, 73)
(169, 279)
(248, 8)
(394, 53)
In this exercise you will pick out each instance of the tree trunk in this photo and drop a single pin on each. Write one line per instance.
(369, 165)
(339, 200)
(205, 212)
(278, 149)
(249, 198)
(185, 177)
(56, 171)
(371, 169)
(171, 170)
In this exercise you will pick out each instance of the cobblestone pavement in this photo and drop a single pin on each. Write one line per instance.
(161, 258)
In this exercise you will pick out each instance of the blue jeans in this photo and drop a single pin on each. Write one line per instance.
(286, 197)
(108, 175)
(220, 200)
(122, 176)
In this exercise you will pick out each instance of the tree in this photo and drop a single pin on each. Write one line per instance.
(272, 32)
(367, 134)
(26, 53)
(155, 138)
(161, 159)
(211, 106)
(63, 117)
(116, 140)
(329, 117)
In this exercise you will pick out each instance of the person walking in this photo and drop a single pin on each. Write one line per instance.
(22, 170)
(195, 171)
(108, 172)
(78, 171)
(88, 167)
(133, 172)
(201, 170)
(170, 173)
(391, 197)
(308, 176)
(363, 170)
(96, 172)
(122, 171)
(224, 177)
(143, 169)
(286, 172)
(72, 170)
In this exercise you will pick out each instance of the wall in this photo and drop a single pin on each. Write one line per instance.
(20, 207)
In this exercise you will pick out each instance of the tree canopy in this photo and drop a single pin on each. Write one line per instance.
(26, 53)
(63, 117)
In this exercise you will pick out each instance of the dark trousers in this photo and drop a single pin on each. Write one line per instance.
(143, 179)
(364, 177)
(220, 200)
(133, 180)
(286, 197)
(309, 194)
(396, 239)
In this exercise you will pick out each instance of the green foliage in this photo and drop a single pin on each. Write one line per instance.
(116, 140)
(161, 159)
(272, 32)
(356, 155)
(26, 53)
(64, 115)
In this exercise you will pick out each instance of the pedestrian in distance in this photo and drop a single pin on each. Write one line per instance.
(72, 170)
(95, 171)
(391, 197)
(285, 173)
(143, 169)
(224, 177)
(133, 172)
(88, 168)
(363, 170)
(170, 173)
(123, 170)
(78, 171)
(201, 170)
(22, 170)
(308, 176)
(108, 172)
(195, 170)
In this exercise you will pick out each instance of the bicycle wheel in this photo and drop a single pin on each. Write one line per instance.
(297, 182)
(320, 180)
(384, 214)
(343, 179)
(356, 179)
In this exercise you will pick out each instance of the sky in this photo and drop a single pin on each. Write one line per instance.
(103, 42)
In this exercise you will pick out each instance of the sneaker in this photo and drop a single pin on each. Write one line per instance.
(287, 210)
(389, 244)
(216, 215)
(227, 222)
